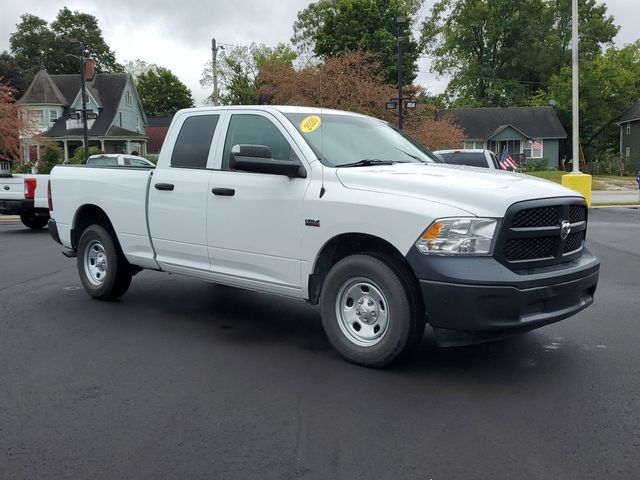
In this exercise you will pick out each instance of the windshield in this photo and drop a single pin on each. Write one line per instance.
(349, 140)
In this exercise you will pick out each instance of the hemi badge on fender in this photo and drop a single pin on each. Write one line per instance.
(309, 222)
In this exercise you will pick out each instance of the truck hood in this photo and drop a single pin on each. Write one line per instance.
(479, 191)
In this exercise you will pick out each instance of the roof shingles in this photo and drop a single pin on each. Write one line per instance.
(483, 123)
(106, 88)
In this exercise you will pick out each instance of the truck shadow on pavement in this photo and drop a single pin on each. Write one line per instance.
(250, 318)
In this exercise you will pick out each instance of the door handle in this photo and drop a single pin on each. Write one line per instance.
(225, 192)
(164, 186)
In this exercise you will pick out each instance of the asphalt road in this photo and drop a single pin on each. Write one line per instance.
(187, 380)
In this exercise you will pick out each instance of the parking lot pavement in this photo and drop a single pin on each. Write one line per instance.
(184, 379)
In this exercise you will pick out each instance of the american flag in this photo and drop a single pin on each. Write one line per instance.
(506, 162)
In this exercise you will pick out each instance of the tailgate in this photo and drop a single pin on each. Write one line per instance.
(11, 188)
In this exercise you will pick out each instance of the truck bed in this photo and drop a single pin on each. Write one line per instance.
(120, 192)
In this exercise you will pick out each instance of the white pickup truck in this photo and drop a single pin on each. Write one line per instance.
(25, 195)
(338, 209)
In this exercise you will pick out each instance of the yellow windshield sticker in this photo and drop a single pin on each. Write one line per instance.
(310, 123)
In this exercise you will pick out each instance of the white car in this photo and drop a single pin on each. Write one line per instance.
(475, 157)
(337, 209)
(118, 160)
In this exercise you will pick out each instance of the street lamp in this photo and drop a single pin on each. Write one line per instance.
(83, 112)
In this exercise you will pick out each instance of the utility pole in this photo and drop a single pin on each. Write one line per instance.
(83, 87)
(580, 182)
(400, 22)
(575, 95)
(214, 71)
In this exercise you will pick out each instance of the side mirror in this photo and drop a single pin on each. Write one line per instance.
(258, 159)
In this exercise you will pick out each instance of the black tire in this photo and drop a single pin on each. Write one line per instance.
(354, 283)
(33, 221)
(103, 268)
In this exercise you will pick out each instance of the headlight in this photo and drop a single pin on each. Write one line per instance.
(458, 236)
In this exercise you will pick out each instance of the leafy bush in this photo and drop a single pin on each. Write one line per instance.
(23, 167)
(151, 158)
(536, 165)
(51, 157)
(78, 155)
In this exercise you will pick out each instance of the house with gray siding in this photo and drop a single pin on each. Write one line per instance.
(629, 124)
(527, 133)
(48, 105)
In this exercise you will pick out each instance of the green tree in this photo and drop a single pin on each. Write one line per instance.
(36, 44)
(238, 70)
(329, 27)
(162, 93)
(609, 84)
(500, 52)
(137, 67)
(12, 74)
(78, 154)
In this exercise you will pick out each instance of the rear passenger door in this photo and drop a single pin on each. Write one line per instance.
(178, 197)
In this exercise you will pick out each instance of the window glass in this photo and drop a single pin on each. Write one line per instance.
(136, 162)
(342, 139)
(494, 159)
(471, 159)
(103, 161)
(536, 148)
(194, 141)
(53, 116)
(256, 130)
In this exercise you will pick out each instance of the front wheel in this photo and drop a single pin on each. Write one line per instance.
(31, 220)
(369, 310)
(104, 271)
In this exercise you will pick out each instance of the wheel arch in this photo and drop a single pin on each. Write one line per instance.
(90, 214)
(347, 244)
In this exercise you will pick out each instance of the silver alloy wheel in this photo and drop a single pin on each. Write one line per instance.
(95, 263)
(362, 311)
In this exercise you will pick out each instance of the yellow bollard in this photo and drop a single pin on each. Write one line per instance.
(580, 182)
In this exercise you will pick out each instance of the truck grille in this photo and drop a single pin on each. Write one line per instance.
(532, 233)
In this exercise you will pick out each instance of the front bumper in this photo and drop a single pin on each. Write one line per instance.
(15, 207)
(476, 299)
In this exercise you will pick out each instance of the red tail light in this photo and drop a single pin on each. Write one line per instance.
(30, 188)
(49, 199)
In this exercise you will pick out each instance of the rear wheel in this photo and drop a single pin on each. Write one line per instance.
(33, 221)
(369, 310)
(104, 271)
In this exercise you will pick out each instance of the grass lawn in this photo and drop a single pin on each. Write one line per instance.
(598, 180)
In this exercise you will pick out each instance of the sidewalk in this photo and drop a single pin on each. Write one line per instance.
(613, 196)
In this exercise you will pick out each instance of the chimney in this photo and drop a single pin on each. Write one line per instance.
(89, 69)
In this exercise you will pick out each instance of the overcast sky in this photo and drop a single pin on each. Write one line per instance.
(177, 34)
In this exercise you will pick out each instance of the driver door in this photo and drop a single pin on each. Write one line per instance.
(255, 221)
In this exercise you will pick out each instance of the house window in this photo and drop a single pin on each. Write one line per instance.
(629, 128)
(128, 98)
(120, 118)
(138, 124)
(37, 117)
(473, 144)
(53, 116)
(627, 154)
(534, 149)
